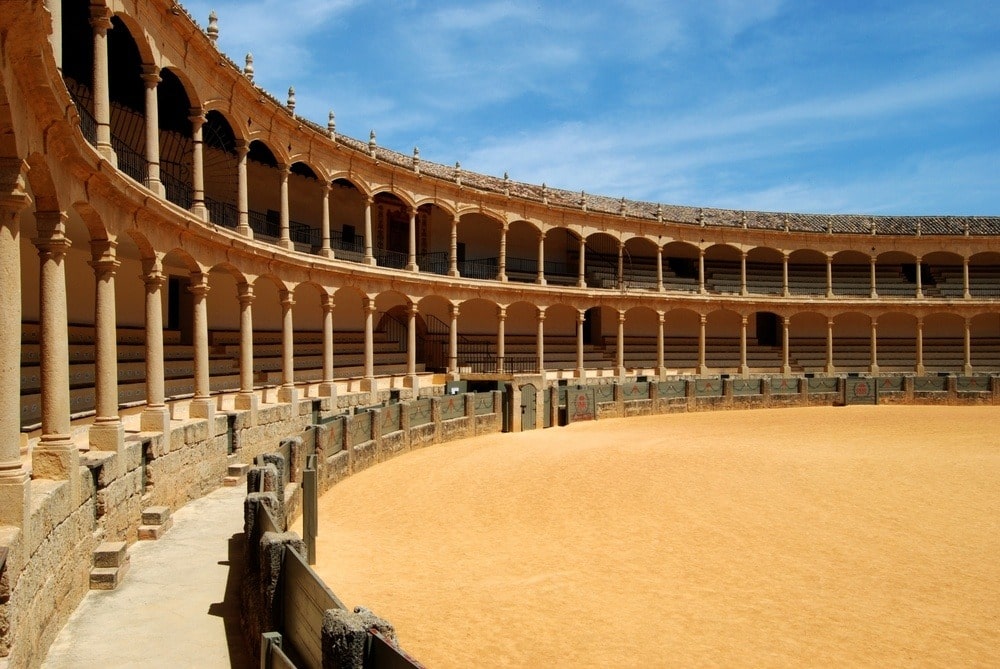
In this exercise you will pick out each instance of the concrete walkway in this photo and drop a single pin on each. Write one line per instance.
(179, 603)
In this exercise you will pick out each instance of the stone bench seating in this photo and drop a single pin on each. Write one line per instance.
(84, 334)
(83, 375)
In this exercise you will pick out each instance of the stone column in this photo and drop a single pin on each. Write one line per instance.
(967, 349)
(829, 276)
(155, 416)
(659, 269)
(744, 367)
(198, 208)
(701, 271)
(874, 291)
(621, 265)
(55, 39)
(580, 318)
(55, 456)
(581, 280)
(202, 405)
(287, 392)
(540, 279)
(284, 215)
(453, 248)
(540, 341)
(920, 346)
(150, 79)
(411, 262)
(620, 346)
(702, 326)
(966, 293)
(453, 344)
(874, 365)
(502, 258)
(411, 347)
(920, 280)
(327, 387)
(661, 368)
(743, 274)
(501, 322)
(242, 190)
(786, 367)
(368, 383)
(100, 22)
(784, 275)
(15, 489)
(369, 259)
(325, 249)
(830, 368)
(246, 398)
(107, 432)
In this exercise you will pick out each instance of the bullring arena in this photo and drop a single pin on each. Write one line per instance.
(200, 287)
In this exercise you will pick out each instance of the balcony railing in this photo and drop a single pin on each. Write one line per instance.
(222, 213)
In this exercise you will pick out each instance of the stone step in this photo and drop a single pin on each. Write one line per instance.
(156, 521)
(106, 578)
(110, 564)
(238, 469)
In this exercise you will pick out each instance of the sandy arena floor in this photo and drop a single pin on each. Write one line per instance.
(856, 536)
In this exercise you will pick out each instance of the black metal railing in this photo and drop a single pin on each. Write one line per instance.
(483, 268)
(130, 161)
(434, 263)
(261, 225)
(387, 258)
(224, 214)
(178, 191)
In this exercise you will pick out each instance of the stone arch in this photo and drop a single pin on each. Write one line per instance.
(807, 341)
(722, 340)
(522, 250)
(478, 248)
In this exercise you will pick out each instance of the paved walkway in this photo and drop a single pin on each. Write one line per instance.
(177, 606)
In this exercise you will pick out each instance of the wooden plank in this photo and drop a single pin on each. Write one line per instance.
(305, 598)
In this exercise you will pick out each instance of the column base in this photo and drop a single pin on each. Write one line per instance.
(202, 407)
(581, 284)
(744, 370)
(156, 186)
(620, 372)
(107, 436)
(245, 230)
(786, 369)
(155, 419)
(287, 244)
(703, 369)
(327, 389)
(541, 282)
(454, 273)
(108, 153)
(411, 381)
(15, 499)
(453, 376)
(368, 260)
(502, 278)
(661, 372)
(289, 395)
(412, 267)
(920, 370)
(200, 210)
(247, 402)
(56, 458)
(368, 384)
(325, 253)
(580, 373)
(830, 369)
(967, 370)
(873, 370)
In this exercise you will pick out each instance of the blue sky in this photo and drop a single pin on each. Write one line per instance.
(882, 107)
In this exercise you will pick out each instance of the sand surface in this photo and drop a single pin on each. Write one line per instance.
(853, 536)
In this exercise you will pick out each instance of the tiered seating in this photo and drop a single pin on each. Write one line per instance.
(722, 354)
(984, 281)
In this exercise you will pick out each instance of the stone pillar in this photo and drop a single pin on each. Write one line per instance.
(920, 346)
(702, 325)
(55, 39)
(829, 276)
(743, 274)
(198, 208)
(201, 404)
(502, 258)
(411, 262)
(920, 280)
(744, 367)
(580, 318)
(581, 280)
(874, 365)
(150, 79)
(874, 291)
(325, 249)
(701, 271)
(621, 265)
(830, 368)
(966, 293)
(659, 269)
(284, 215)
(369, 259)
(55, 456)
(784, 275)
(967, 349)
(411, 347)
(453, 344)
(242, 190)
(246, 399)
(501, 322)
(328, 387)
(368, 383)
(287, 392)
(155, 416)
(540, 341)
(100, 22)
(453, 248)
(107, 432)
(661, 368)
(15, 490)
(620, 346)
(540, 278)
(786, 367)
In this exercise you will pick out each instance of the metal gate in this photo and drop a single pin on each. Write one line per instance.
(528, 407)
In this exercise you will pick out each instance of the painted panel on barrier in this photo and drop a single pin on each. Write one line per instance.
(581, 404)
(746, 386)
(972, 384)
(708, 387)
(483, 403)
(452, 406)
(672, 388)
(890, 384)
(420, 412)
(784, 385)
(860, 390)
(822, 385)
(389, 420)
(635, 390)
(930, 384)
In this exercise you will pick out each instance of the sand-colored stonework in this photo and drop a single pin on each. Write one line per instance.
(816, 536)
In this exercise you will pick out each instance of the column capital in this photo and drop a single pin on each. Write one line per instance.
(104, 258)
(327, 187)
(197, 117)
(455, 309)
(661, 316)
(13, 186)
(368, 304)
(51, 223)
(244, 292)
(326, 301)
(702, 318)
(414, 308)
(581, 315)
(287, 298)
(541, 313)
(242, 148)
(744, 319)
(150, 75)
(501, 312)
(621, 316)
(54, 246)
(199, 285)
(100, 18)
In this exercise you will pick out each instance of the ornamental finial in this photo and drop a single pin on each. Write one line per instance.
(213, 26)
(248, 69)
